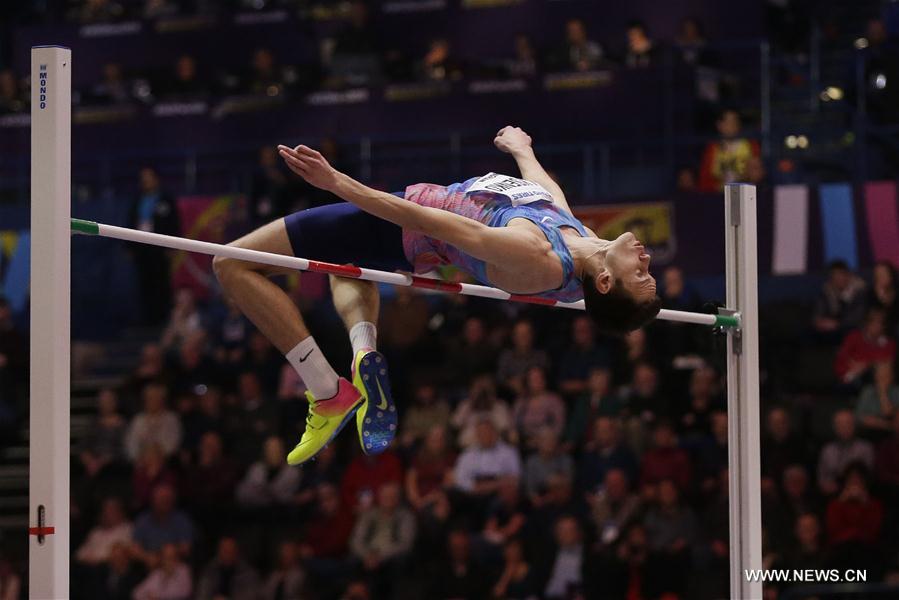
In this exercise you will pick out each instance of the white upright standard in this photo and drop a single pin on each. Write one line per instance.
(51, 123)
(743, 391)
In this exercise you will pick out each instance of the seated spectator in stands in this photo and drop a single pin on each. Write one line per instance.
(430, 468)
(355, 58)
(564, 568)
(548, 460)
(840, 306)
(365, 475)
(560, 498)
(710, 452)
(253, 418)
(517, 578)
(271, 192)
(579, 52)
(537, 408)
(596, 401)
(265, 78)
(583, 355)
(506, 514)
(470, 355)
(481, 403)
(460, 575)
(641, 50)
(863, 348)
(515, 361)
(104, 443)
(264, 360)
(633, 351)
(427, 411)
(113, 528)
(878, 402)
(171, 579)
(854, 518)
(664, 460)
(481, 466)
(690, 41)
(325, 469)
(113, 88)
(97, 11)
(287, 579)
(797, 497)
(704, 400)
(270, 482)
(184, 322)
(150, 368)
(326, 538)
(210, 478)
(163, 524)
(884, 294)
(184, 85)
(643, 403)
(677, 339)
(150, 471)
(607, 451)
(843, 451)
(118, 576)
(807, 550)
(671, 532)
(726, 160)
(781, 446)
(439, 63)
(383, 535)
(156, 425)
(526, 62)
(12, 99)
(155, 211)
(614, 507)
(228, 575)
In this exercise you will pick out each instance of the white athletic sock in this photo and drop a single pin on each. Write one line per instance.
(364, 335)
(307, 359)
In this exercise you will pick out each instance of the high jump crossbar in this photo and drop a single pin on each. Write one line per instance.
(51, 227)
(353, 272)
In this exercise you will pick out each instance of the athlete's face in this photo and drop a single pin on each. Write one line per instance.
(628, 265)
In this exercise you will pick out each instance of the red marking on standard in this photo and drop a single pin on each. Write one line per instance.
(331, 269)
(41, 530)
(435, 284)
(532, 300)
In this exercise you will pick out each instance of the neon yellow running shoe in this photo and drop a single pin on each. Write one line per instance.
(324, 420)
(376, 419)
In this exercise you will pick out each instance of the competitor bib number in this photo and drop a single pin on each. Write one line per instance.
(518, 191)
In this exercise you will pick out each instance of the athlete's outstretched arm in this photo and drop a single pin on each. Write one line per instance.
(489, 244)
(516, 142)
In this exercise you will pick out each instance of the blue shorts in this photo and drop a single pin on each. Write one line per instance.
(343, 234)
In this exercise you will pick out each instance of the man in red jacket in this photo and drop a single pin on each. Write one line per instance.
(865, 347)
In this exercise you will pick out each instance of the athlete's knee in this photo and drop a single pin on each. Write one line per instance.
(226, 267)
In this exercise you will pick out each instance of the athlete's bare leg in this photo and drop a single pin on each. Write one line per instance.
(355, 300)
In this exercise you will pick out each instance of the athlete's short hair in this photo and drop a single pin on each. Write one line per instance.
(617, 312)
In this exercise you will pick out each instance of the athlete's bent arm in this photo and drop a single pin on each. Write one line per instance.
(492, 245)
(516, 142)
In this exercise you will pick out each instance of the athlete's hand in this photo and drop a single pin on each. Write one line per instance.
(512, 139)
(310, 165)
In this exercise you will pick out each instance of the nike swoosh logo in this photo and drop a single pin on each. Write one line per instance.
(545, 219)
(307, 355)
(383, 404)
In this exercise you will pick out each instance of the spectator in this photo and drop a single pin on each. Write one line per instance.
(355, 59)
(641, 50)
(481, 467)
(438, 63)
(12, 100)
(798, 497)
(677, 340)
(113, 89)
(171, 580)
(517, 580)
(506, 515)
(884, 294)
(807, 551)
(691, 42)
(840, 306)
(271, 194)
(104, 443)
(643, 403)
(565, 569)
(150, 471)
(481, 403)
(547, 461)
(228, 575)
(365, 475)
(269, 482)
(210, 479)
(845, 450)
(711, 452)
(184, 322)
(606, 452)
(579, 53)
(430, 469)
(538, 408)
(460, 576)
(781, 446)
(154, 426)
(162, 525)
(287, 579)
(664, 461)
(327, 534)
(254, 418)
(383, 536)
(155, 211)
(597, 401)
(184, 85)
(863, 348)
(671, 531)
(265, 78)
(581, 357)
(526, 62)
(427, 411)
(887, 463)
(854, 517)
(515, 362)
(118, 576)
(705, 399)
(113, 528)
(265, 361)
(614, 508)
(471, 355)
(150, 369)
(357, 590)
(878, 402)
(726, 160)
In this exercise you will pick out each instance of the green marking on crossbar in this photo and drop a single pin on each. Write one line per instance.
(726, 321)
(88, 227)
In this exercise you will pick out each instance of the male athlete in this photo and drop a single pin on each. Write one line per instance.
(515, 234)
